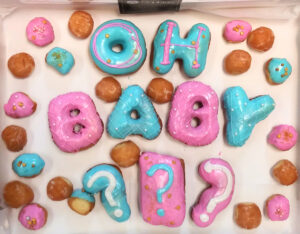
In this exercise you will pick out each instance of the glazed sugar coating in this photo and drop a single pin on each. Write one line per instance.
(182, 112)
(14, 137)
(21, 65)
(60, 59)
(19, 105)
(39, 31)
(220, 175)
(237, 30)
(283, 137)
(33, 216)
(108, 89)
(59, 188)
(237, 62)
(278, 70)
(278, 207)
(28, 165)
(160, 90)
(162, 191)
(261, 39)
(74, 122)
(285, 172)
(247, 215)
(125, 154)
(81, 24)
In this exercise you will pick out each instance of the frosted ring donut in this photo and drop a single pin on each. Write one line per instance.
(118, 33)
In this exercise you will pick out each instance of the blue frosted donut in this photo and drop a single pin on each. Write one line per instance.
(28, 165)
(60, 59)
(243, 114)
(168, 46)
(125, 34)
(278, 70)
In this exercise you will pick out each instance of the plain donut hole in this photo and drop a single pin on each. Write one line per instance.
(197, 105)
(117, 48)
(134, 114)
(77, 128)
(195, 122)
(74, 112)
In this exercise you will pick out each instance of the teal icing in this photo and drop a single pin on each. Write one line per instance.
(28, 165)
(61, 59)
(94, 183)
(192, 49)
(118, 32)
(78, 193)
(120, 124)
(243, 114)
(279, 70)
(160, 212)
(164, 189)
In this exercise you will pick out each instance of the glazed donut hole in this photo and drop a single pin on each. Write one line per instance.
(237, 62)
(108, 89)
(160, 90)
(21, 65)
(14, 137)
(285, 172)
(261, 39)
(247, 215)
(81, 24)
(59, 188)
(125, 154)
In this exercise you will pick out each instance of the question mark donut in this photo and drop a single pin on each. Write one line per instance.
(162, 194)
(213, 200)
(108, 180)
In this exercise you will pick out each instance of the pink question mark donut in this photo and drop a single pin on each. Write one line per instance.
(216, 198)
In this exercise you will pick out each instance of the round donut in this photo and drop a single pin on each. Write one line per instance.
(278, 70)
(33, 216)
(74, 122)
(120, 33)
(21, 65)
(39, 31)
(19, 105)
(278, 207)
(283, 137)
(237, 30)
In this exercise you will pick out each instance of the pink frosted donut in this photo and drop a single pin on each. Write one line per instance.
(74, 122)
(237, 30)
(33, 216)
(196, 101)
(216, 198)
(39, 31)
(283, 137)
(19, 105)
(278, 207)
(162, 193)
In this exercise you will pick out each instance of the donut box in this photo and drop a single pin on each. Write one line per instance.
(251, 163)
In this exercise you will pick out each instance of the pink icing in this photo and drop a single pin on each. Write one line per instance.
(39, 31)
(237, 30)
(74, 122)
(283, 137)
(182, 113)
(19, 105)
(278, 208)
(173, 200)
(33, 216)
(213, 200)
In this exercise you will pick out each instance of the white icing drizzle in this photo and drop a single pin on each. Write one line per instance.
(208, 167)
(204, 218)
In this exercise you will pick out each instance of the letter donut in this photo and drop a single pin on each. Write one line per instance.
(162, 194)
(108, 180)
(118, 33)
(74, 122)
(194, 100)
(168, 46)
(213, 200)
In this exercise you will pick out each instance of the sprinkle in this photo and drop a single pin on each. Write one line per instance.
(277, 69)
(177, 207)
(169, 195)
(172, 223)
(33, 37)
(146, 157)
(149, 219)
(44, 22)
(27, 218)
(161, 30)
(286, 69)
(290, 135)
(235, 133)
(194, 62)
(278, 136)
(116, 129)
(90, 135)
(186, 126)
(282, 64)
(147, 187)
(24, 164)
(249, 125)
(193, 42)
(174, 132)
(262, 104)
(203, 36)
(14, 107)
(235, 29)
(237, 94)
(175, 109)
(33, 165)
(242, 27)
(180, 90)
(214, 107)
(157, 68)
(232, 109)
(173, 51)
(130, 95)
(19, 163)
(107, 35)
(145, 130)
(67, 137)
(34, 221)
(108, 60)
(60, 65)
(53, 124)
(245, 103)
(135, 51)
(241, 33)
(16, 96)
(173, 162)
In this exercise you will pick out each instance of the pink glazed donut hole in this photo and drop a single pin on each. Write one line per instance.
(33, 216)
(278, 207)
(283, 137)
(39, 31)
(237, 31)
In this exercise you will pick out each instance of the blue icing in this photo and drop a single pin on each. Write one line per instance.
(78, 193)
(61, 59)
(279, 70)
(28, 165)
(118, 32)
(168, 46)
(243, 114)
(109, 181)
(120, 124)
